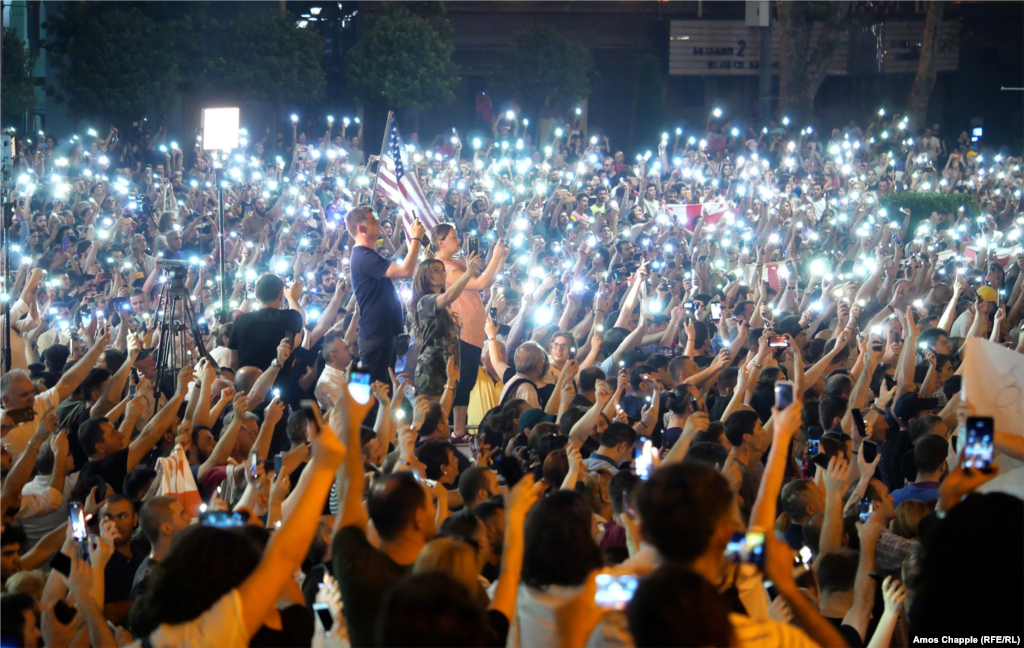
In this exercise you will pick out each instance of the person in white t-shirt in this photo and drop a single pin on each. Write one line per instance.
(22, 406)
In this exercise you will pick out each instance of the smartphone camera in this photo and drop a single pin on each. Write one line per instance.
(716, 311)
(869, 450)
(778, 342)
(867, 507)
(858, 420)
(813, 446)
(323, 612)
(254, 464)
(614, 592)
(359, 387)
(746, 548)
(978, 448)
(77, 514)
(783, 394)
(642, 458)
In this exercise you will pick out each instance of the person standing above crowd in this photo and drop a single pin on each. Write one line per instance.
(378, 301)
(433, 324)
(445, 243)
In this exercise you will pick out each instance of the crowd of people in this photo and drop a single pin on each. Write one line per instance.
(709, 396)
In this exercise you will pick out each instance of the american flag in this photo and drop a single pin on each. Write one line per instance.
(401, 187)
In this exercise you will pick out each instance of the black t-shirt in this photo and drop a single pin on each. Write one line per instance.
(142, 575)
(119, 575)
(896, 445)
(256, 335)
(364, 574)
(112, 470)
(580, 400)
(375, 294)
(850, 634)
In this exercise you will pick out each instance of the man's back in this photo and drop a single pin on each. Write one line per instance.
(364, 574)
(256, 335)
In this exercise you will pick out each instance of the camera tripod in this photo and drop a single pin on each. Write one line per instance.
(176, 322)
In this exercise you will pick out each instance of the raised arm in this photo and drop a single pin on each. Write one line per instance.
(290, 543)
(859, 614)
(227, 439)
(141, 446)
(448, 297)
(787, 423)
(518, 502)
(837, 476)
(404, 270)
(71, 379)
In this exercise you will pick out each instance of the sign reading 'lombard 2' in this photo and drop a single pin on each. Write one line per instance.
(731, 47)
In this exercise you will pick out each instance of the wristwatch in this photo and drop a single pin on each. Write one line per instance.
(876, 409)
(275, 363)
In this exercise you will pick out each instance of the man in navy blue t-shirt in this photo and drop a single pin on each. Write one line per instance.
(380, 312)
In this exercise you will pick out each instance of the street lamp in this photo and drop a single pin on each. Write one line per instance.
(221, 133)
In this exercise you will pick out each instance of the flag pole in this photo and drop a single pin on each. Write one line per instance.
(380, 160)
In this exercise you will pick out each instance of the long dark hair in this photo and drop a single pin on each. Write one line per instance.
(421, 286)
(204, 564)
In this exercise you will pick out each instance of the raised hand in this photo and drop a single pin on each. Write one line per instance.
(240, 405)
(452, 371)
(893, 593)
(837, 476)
(274, 412)
(380, 391)
(185, 377)
(284, 350)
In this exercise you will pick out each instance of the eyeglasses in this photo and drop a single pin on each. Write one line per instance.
(559, 345)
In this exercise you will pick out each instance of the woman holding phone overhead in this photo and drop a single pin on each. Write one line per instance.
(468, 306)
(435, 326)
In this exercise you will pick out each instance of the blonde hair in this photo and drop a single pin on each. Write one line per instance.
(452, 556)
(908, 516)
(596, 484)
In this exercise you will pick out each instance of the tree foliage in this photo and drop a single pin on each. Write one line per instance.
(541, 65)
(17, 89)
(267, 57)
(115, 64)
(404, 61)
(805, 53)
(123, 61)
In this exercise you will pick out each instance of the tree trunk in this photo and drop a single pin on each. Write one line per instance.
(924, 82)
(804, 55)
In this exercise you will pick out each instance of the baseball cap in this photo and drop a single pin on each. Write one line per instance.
(910, 405)
(789, 324)
(532, 417)
(988, 293)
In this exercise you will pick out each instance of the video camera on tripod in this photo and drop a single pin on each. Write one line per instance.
(176, 321)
